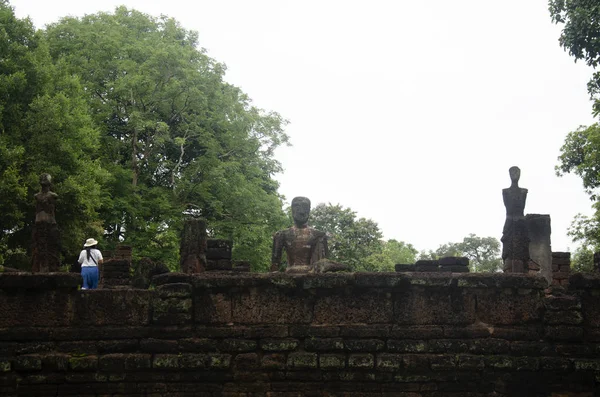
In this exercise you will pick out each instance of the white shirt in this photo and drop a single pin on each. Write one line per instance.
(94, 253)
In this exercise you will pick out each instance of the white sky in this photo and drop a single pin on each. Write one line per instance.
(408, 112)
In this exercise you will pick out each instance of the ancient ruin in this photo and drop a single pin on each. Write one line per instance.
(116, 269)
(46, 236)
(304, 245)
(515, 239)
(192, 252)
(218, 254)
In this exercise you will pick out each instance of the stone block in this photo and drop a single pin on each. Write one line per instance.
(564, 333)
(85, 363)
(569, 317)
(442, 362)
(417, 332)
(279, 344)
(454, 261)
(137, 362)
(533, 332)
(320, 331)
(509, 309)
(358, 306)
(218, 264)
(237, 345)
(29, 362)
(246, 361)
(274, 361)
(449, 346)
(112, 307)
(365, 331)
(51, 308)
(564, 302)
(219, 361)
(362, 361)
(193, 345)
(400, 267)
(590, 307)
(332, 361)
(166, 361)
(212, 308)
(175, 290)
(55, 362)
(302, 360)
(112, 362)
(324, 344)
(440, 306)
(272, 306)
(489, 346)
(151, 345)
(364, 345)
(470, 331)
(389, 362)
(407, 346)
(556, 364)
(470, 362)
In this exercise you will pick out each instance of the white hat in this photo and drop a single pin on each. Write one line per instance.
(89, 242)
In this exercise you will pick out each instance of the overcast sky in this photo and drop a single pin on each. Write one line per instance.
(408, 112)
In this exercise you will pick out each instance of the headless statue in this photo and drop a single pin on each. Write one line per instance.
(304, 245)
(515, 241)
(46, 238)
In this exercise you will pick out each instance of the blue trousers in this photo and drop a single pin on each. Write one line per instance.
(90, 277)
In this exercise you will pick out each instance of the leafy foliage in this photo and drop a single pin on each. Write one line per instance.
(580, 153)
(142, 128)
(357, 241)
(483, 252)
(44, 127)
(580, 36)
(392, 252)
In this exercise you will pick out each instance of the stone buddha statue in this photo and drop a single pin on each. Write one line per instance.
(304, 245)
(46, 236)
(515, 240)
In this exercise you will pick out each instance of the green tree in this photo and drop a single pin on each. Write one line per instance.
(175, 136)
(579, 36)
(351, 240)
(392, 252)
(580, 153)
(483, 252)
(582, 259)
(45, 126)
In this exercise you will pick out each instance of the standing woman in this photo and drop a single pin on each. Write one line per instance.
(90, 258)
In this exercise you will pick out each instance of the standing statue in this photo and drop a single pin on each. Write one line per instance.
(46, 237)
(304, 245)
(515, 240)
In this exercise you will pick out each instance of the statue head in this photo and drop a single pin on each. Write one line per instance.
(300, 210)
(515, 174)
(45, 180)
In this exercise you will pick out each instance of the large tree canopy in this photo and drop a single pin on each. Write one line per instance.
(581, 36)
(148, 130)
(44, 127)
(580, 153)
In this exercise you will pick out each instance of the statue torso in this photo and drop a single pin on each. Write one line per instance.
(45, 207)
(514, 201)
(300, 245)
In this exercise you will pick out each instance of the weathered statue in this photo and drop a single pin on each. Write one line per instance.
(515, 240)
(304, 245)
(46, 237)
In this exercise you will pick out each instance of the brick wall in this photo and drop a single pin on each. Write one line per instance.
(364, 334)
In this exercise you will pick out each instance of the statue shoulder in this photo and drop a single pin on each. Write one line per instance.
(318, 233)
(282, 234)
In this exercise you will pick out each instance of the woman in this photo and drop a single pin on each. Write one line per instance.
(90, 258)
